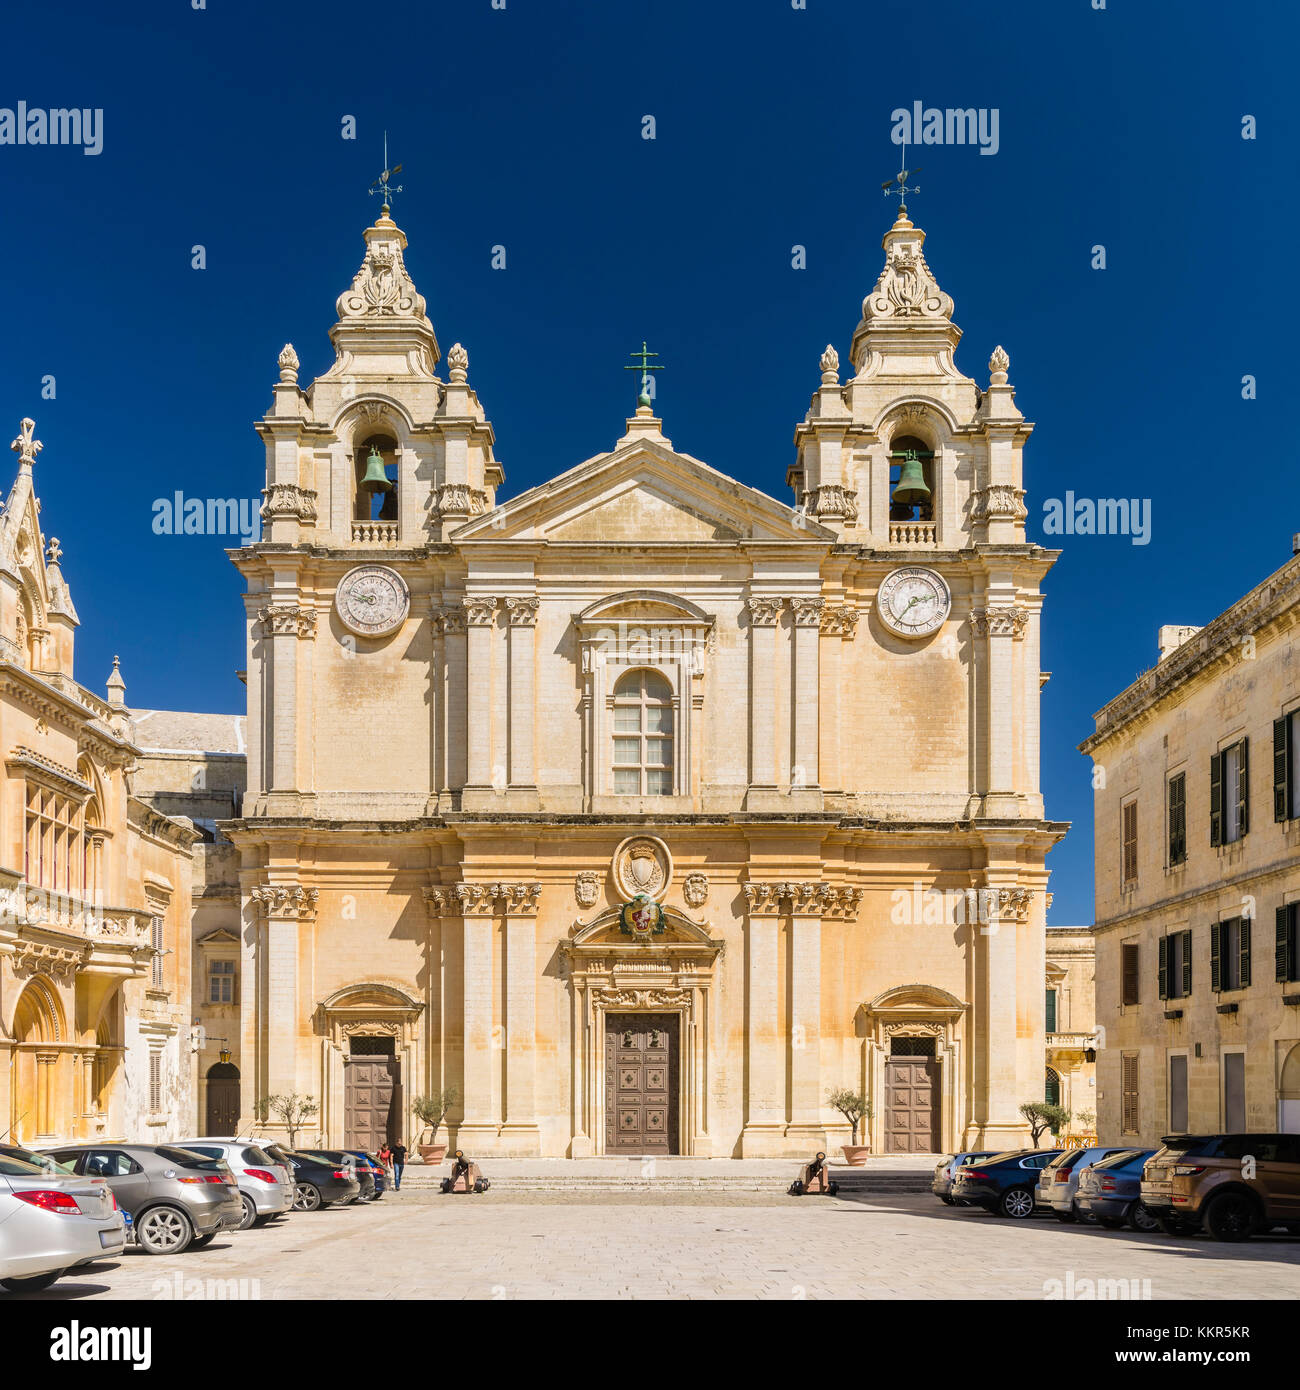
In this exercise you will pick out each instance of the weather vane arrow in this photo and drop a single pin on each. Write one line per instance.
(382, 184)
(898, 185)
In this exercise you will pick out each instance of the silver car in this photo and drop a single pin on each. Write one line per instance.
(173, 1199)
(265, 1186)
(1058, 1184)
(51, 1222)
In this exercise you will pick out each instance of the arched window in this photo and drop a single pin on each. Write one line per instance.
(375, 461)
(1052, 1088)
(911, 480)
(643, 735)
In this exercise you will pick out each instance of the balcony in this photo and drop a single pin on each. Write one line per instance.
(374, 532)
(913, 533)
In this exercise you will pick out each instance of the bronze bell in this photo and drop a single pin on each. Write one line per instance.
(376, 478)
(911, 489)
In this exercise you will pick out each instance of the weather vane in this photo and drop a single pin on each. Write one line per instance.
(381, 184)
(645, 369)
(898, 185)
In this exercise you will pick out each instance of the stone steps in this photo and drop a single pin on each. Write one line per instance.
(854, 1181)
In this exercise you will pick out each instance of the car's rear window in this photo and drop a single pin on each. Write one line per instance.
(187, 1158)
(1001, 1158)
(19, 1168)
(252, 1154)
(45, 1163)
(207, 1150)
(1123, 1158)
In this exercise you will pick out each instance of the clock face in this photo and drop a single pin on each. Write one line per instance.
(914, 602)
(372, 601)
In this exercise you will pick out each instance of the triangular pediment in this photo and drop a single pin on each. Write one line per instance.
(641, 495)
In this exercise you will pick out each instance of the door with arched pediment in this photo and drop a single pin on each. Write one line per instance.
(641, 1083)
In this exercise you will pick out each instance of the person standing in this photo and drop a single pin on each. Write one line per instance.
(399, 1162)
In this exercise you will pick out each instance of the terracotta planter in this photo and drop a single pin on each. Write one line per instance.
(433, 1153)
(855, 1155)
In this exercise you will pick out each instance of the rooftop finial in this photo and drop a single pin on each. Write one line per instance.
(25, 446)
(381, 184)
(645, 368)
(898, 185)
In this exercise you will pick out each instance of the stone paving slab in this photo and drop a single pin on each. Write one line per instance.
(744, 1246)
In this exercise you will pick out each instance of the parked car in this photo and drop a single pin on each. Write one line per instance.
(173, 1199)
(377, 1171)
(265, 1187)
(361, 1172)
(50, 1223)
(1110, 1191)
(1059, 1181)
(43, 1161)
(319, 1182)
(1005, 1183)
(1233, 1185)
(946, 1169)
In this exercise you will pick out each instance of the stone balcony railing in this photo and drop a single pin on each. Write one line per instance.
(913, 533)
(24, 905)
(375, 532)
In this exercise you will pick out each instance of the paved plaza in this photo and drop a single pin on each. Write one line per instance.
(680, 1244)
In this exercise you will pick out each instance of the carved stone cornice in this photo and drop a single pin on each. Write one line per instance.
(832, 500)
(522, 612)
(285, 900)
(458, 499)
(1001, 620)
(510, 899)
(839, 620)
(42, 957)
(805, 897)
(289, 500)
(764, 612)
(611, 997)
(447, 620)
(998, 501)
(287, 620)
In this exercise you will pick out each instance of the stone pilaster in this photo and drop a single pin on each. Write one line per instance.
(764, 1131)
(284, 908)
(522, 616)
(764, 615)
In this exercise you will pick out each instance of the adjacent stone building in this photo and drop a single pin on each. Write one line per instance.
(94, 883)
(1071, 1079)
(642, 808)
(1197, 807)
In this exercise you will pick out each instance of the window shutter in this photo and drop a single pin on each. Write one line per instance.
(1130, 986)
(1051, 1011)
(1244, 928)
(1281, 768)
(1216, 798)
(1243, 804)
(1282, 945)
(1187, 962)
(1177, 819)
(1164, 967)
(1216, 975)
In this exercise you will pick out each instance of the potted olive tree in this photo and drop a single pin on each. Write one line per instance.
(855, 1107)
(431, 1110)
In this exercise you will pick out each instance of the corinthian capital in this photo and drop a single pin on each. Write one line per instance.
(286, 900)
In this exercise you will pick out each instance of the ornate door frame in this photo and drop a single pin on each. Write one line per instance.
(612, 973)
(365, 1010)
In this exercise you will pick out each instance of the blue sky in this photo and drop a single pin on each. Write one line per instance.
(522, 127)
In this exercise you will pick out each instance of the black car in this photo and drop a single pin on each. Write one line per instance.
(317, 1181)
(348, 1161)
(1004, 1184)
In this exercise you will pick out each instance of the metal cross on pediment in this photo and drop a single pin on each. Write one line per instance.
(383, 183)
(645, 368)
(898, 185)
(25, 446)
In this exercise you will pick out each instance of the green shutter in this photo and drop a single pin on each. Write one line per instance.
(1216, 975)
(1216, 798)
(1164, 967)
(1051, 1011)
(1282, 961)
(1187, 962)
(1245, 952)
(1177, 819)
(1243, 801)
(1282, 768)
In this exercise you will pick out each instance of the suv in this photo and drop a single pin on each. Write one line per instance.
(265, 1188)
(1058, 1187)
(1232, 1184)
(172, 1198)
(1003, 1184)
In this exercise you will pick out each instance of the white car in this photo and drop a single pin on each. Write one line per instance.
(266, 1186)
(51, 1222)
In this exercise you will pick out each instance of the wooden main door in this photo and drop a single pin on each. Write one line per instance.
(371, 1102)
(641, 1070)
(222, 1115)
(911, 1105)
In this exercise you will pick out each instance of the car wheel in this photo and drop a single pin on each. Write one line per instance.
(1232, 1216)
(306, 1197)
(34, 1284)
(1110, 1223)
(948, 1201)
(1142, 1219)
(163, 1231)
(250, 1211)
(1175, 1224)
(1016, 1202)
(1066, 1216)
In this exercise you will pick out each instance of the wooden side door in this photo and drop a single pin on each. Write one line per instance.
(912, 1105)
(641, 1070)
(369, 1092)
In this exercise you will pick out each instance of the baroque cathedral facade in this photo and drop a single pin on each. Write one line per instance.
(693, 805)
